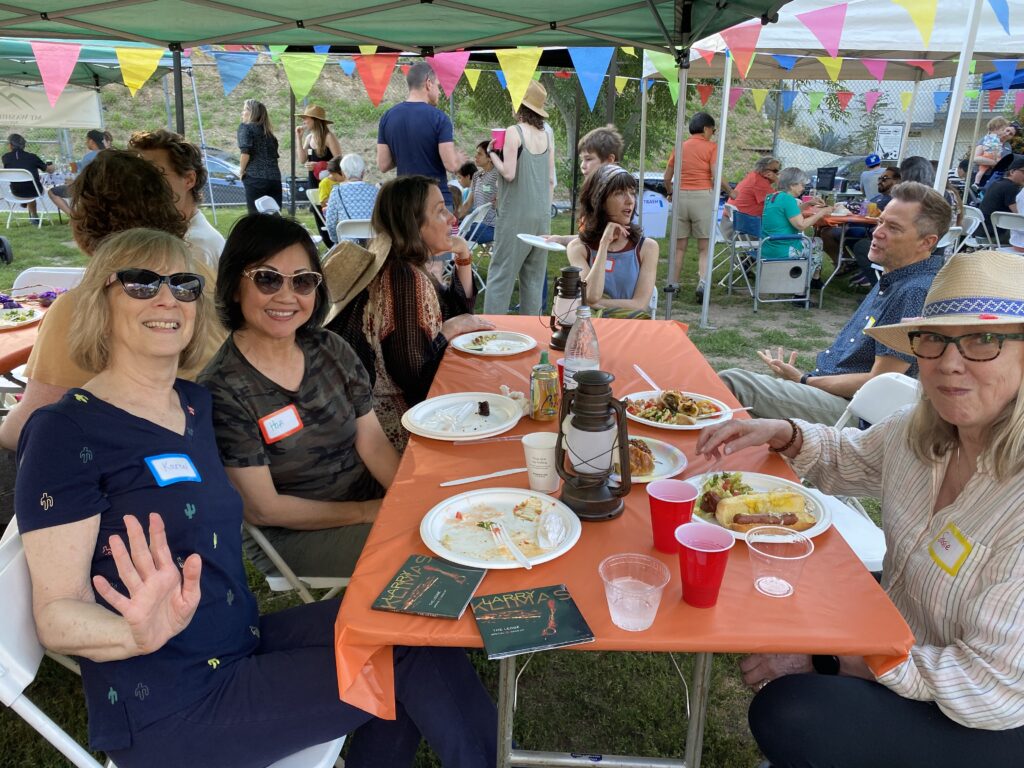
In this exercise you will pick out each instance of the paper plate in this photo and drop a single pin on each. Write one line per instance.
(761, 483)
(468, 550)
(696, 396)
(539, 242)
(434, 418)
(669, 461)
(503, 343)
(18, 318)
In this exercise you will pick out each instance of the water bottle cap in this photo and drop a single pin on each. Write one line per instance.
(544, 358)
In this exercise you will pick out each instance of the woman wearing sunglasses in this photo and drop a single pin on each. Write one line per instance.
(293, 409)
(177, 665)
(950, 474)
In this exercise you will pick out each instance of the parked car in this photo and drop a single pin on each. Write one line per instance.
(226, 185)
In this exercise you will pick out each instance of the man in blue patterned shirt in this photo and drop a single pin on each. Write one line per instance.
(902, 245)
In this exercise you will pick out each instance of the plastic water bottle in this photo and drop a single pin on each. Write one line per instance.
(581, 350)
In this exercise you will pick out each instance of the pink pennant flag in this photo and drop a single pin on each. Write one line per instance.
(870, 99)
(843, 97)
(735, 95)
(928, 67)
(56, 62)
(742, 41)
(704, 90)
(876, 67)
(993, 99)
(826, 24)
(449, 67)
(708, 56)
(1018, 101)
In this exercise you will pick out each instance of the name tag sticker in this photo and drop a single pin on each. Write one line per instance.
(279, 424)
(170, 468)
(950, 549)
(609, 266)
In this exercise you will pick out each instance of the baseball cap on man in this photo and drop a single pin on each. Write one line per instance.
(1017, 164)
(872, 160)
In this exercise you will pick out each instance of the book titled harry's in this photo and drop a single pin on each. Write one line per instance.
(530, 620)
(430, 587)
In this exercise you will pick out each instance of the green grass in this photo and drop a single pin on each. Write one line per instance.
(613, 703)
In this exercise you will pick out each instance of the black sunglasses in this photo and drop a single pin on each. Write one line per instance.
(270, 281)
(145, 284)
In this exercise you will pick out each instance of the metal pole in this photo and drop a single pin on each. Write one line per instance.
(575, 161)
(684, 66)
(957, 102)
(775, 128)
(643, 148)
(698, 711)
(179, 96)
(167, 100)
(202, 144)
(970, 153)
(906, 123)
(506, 709)
(716, 185)
(291, 142)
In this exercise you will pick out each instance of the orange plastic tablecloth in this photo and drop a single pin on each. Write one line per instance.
(16, 345)
(838, 607)
(836, 221)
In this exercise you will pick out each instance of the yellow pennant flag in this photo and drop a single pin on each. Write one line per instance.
(758, 95)
(367, 50)
(620, 84)
(922, 13)
(137, 64)
(518, 64)
(628, 50)
(905, 98)
(832, 65)
(302, 71)
(472, 77)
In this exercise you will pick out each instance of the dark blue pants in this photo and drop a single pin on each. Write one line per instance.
(825, 720)
(257, 188)
(284, 698)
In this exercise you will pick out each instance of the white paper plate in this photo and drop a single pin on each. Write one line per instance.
(505, 344)
(539, 242)
(696, 396)
(8, 323)
(427, 419)
(503, 499)
(761, 483)
(669, 461)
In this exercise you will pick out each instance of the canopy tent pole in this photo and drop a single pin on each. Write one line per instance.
(179, 96)
(957, 103)
(775, 127)
(909, 119)
(575, 163)
(971, 150)
(683, 63)
(202, 143)
(643, 150)
(291, 150)
(716, 185)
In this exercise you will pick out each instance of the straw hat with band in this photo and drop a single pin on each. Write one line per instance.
(317, 113)
(973, 290)
(535, 97)
(349, 268)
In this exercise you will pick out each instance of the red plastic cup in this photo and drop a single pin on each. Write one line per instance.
(560, 363)
(703, 555)
(671, 505)
(498, 139)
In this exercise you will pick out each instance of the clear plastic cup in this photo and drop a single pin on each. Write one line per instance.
(633, 585)
(777, 557)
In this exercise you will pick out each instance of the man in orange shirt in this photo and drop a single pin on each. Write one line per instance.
(696, 198)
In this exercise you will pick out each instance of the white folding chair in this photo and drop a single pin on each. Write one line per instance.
(46, 278)
(1006, 220)
(313, 195)
(970, 220)
(878, 398)
(974, 220)
(477, 215)
(354, 229)
(283, 579)
(950, 239)
(21, 654)
(267, 204)
(15, 202)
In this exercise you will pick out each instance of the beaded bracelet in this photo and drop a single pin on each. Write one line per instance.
(792, 438)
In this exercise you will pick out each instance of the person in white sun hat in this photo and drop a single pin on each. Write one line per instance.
(950, 473)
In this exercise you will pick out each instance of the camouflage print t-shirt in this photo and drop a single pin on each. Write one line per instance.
(308, 441)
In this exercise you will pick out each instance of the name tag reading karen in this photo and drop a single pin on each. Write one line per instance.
(170, 468)
(279, 424)
(950, 549)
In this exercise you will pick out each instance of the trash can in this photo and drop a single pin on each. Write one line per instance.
(656, 209)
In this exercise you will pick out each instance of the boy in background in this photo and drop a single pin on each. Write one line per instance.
(598, 147)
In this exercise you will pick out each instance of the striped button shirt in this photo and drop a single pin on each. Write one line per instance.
(956, 576)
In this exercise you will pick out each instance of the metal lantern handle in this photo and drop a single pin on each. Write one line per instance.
(624, 472)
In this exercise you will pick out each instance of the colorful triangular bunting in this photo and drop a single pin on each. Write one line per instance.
(922, 13)
(926, 66)
(620, 84)
(870, 99)
(1006, 68)
(876, 67)
(347, 66)
(591, 64)
(826, 24)
(302, 71)
(784, 61)
(832, 66)
(1002, 11)
(449, 68)
(815, 98)
(788, 97)
(843, 97)
(56, 62)
(518, 65)
(704, 91)
(735, 95)
(137, 64)
(708, 56)
(232, 68)
(759, 95)
(905, 98)
(993, 98)
(472, 77)
(375, 72)
(742, 40)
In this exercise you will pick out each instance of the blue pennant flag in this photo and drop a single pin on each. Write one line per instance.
(1002, 11)
(322, 48)
(501, 78)
(347, 66)
(940, 98)
(788, 97)
(786, 62)
(1006, 69)
(233, 67)
(591, 65)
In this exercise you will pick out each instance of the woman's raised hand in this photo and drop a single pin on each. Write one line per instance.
(460, 248)
(161, 599)
(613, 231)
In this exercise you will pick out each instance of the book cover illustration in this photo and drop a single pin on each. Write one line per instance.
(529, 620)
(429, 586)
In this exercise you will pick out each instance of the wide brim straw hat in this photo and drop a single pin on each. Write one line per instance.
(535, 97)
(317, 113)
(349, 268)
(973, 290)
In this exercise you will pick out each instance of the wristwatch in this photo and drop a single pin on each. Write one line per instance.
(804, 377)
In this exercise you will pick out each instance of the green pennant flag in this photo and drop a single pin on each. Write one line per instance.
(276, 51)
(302, 71)
(815, 99)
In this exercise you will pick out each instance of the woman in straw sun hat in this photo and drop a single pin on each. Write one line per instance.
(526, 182)
(950, 473)
(315, 143)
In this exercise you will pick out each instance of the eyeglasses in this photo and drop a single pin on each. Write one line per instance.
(270, 281)
(145, 284)
(772, 170)
(977, 347)
(886, 178)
